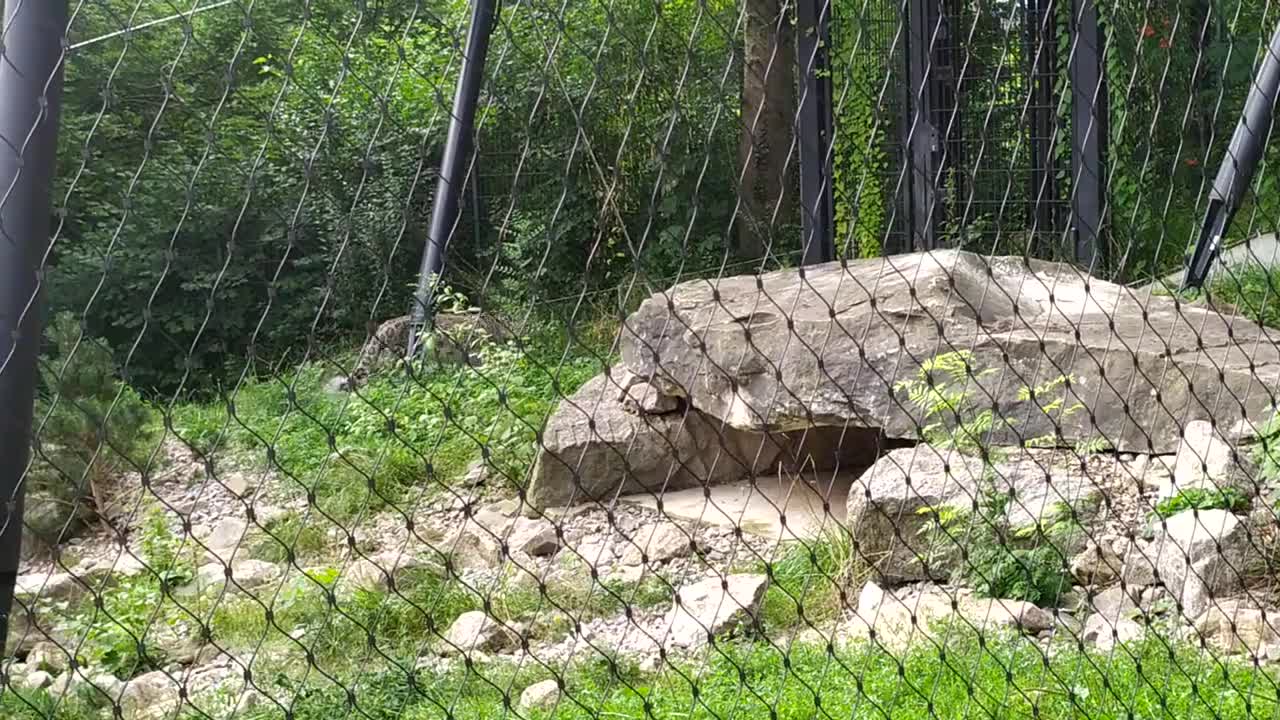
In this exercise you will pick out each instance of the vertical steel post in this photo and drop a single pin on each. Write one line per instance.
(923, 142)
(1235, 175)
(814, 131)
(1042, 44)
(444, 211)
(31, 53)
(1088, 134)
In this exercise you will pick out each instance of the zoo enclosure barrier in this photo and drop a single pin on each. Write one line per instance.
(754, 381)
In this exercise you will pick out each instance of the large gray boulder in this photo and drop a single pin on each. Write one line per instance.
(594, 447)
(910, 513)
(1203, 554)
(824, 346)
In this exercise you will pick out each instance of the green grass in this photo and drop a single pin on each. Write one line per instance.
(1252, 289)
(1203, 499)
(809, 577)
(290, 532)
(40, 705)
(425, 603)
(377, 448)
(1000, 677)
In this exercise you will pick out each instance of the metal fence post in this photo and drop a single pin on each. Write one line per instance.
(31, 53)
(1088, 134)
(1235, 175)
(815, 130)
(924, 143)
(444, 211)
(1042, 45)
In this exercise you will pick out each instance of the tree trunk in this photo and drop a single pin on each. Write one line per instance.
(768, 114)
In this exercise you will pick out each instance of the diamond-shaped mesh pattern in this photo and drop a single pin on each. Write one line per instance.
(989, 462)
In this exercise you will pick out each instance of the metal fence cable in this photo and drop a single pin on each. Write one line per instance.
(648, 456)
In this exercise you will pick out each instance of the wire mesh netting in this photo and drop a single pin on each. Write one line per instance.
(641, 461)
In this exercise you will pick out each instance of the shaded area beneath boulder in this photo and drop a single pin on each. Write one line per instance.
(782, 507)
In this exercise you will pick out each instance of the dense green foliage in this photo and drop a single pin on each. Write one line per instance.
(1178, 74)
(90, 428)
(1021, 563)
(245, 188)
(235, 198)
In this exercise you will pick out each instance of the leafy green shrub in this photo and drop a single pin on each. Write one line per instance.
(90, 428)
(1203, 499)
(163, 552)
(1019, 563)
(1027, 562)
(120, 636)
(943, 390)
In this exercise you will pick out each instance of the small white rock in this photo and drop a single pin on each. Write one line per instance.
(1204, 460)
(37, 680)
(476, 631)
(713, 606)
(225, 537)
(240, 483)
(660, 542)
(1105, 633)
(869, 598)
(540, 696)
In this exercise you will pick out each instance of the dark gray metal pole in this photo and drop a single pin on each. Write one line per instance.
(924, 144)
(814, 131)
(444, 211)
(30, 98)
(1088, 134)
(1237, 169)
(1042, 34)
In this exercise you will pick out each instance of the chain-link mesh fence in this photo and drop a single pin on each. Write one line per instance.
(644, 463)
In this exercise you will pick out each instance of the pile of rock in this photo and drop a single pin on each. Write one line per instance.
(800, 369)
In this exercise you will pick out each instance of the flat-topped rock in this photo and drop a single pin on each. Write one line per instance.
(824, 345)
(595, 448)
